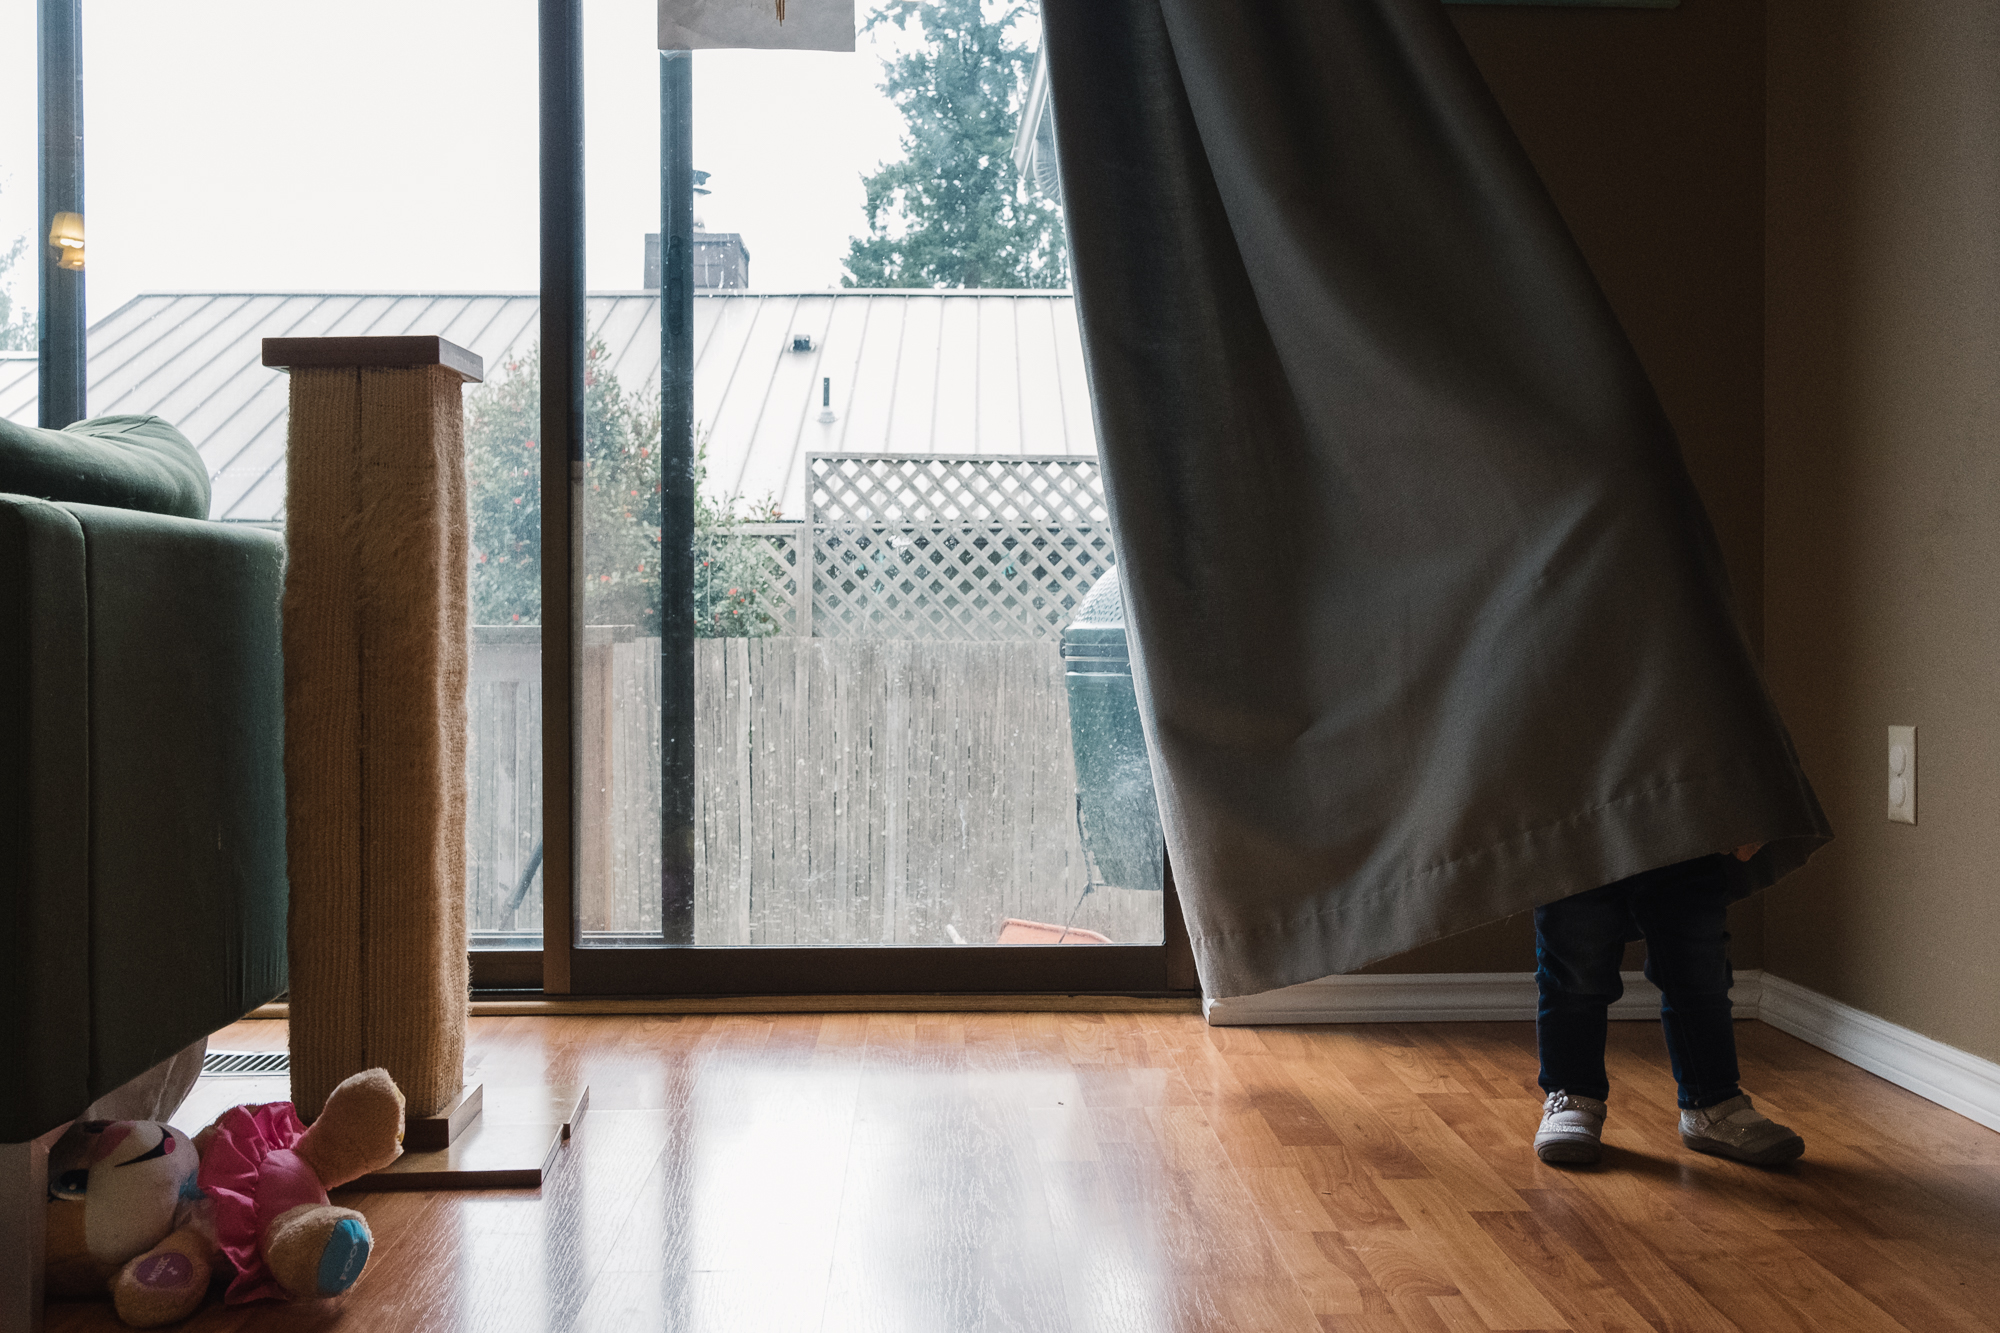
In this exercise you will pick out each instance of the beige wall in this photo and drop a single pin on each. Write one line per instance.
(1648, 126)
(1797, 215)
(1882, 551)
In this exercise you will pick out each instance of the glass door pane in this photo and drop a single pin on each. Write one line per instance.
(620, 883)
(22, 231)
(905, 735)
(366, 172)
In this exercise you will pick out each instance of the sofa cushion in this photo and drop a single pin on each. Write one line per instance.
(123, 462)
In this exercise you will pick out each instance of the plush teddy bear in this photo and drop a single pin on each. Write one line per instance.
(126, 1212)
(137, 1207)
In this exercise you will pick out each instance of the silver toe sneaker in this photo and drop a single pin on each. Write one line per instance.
(1738, 1131)
(1572, 1132)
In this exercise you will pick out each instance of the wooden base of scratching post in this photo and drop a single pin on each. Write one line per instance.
(435, 1133)
(513, 1145)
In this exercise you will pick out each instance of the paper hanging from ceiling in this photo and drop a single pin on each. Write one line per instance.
(763, 25)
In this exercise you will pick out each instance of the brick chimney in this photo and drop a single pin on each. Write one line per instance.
(721, 261)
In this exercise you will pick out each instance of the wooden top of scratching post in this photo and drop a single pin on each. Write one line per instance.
(413, 350)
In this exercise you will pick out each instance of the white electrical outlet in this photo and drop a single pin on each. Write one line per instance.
(1902, 775)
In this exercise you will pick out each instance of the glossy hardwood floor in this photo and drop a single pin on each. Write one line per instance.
(915, 1173)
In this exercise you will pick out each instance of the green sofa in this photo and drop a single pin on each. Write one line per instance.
(142, 804)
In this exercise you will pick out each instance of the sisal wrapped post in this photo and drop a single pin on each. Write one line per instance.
(376, 648)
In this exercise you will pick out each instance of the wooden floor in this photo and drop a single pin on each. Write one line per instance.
(1047, 1172)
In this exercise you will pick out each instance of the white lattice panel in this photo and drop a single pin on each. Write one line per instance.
(952, 547)
(776, 549)
(900, 490)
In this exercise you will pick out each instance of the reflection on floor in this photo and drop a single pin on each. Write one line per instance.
(920, 1173)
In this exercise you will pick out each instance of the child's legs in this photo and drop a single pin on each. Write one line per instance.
(1579, 942)
(1685, 917)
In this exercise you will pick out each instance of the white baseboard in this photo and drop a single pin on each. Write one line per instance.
(1437, 997)
(1954, 1079)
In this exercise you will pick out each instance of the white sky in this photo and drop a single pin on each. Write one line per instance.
(390, 145)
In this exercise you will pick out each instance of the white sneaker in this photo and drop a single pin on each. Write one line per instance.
(1572, 1132)
(1738, 1131)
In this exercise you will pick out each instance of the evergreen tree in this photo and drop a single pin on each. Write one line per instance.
(504, 497)
(953, 212)
(17, 331)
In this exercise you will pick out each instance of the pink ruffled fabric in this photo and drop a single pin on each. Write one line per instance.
(251, 1174)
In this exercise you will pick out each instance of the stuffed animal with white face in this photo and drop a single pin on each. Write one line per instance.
(126, 1213)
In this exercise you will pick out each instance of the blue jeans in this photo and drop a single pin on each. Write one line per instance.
(1682, 913)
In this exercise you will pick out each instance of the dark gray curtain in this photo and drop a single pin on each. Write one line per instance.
(1428, 622)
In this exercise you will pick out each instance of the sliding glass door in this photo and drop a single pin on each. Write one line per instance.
(834, 721)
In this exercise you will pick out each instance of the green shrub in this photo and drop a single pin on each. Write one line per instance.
(620, 512)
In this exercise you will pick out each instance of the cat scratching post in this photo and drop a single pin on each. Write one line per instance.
(376, 645)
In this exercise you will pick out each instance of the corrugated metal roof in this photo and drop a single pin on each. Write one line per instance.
(985, 372)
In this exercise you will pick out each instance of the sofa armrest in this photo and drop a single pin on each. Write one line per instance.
(44, 818)
(142, 816)
(188, 887)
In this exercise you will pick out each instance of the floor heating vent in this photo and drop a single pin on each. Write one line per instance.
(245, 1064)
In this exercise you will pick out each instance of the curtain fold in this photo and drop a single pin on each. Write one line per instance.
(1428, 623)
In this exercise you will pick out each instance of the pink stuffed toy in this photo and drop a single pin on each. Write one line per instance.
(140, 1211)
(267, 1175)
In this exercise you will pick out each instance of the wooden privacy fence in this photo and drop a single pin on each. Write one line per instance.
(503, 760)
(849, 791)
